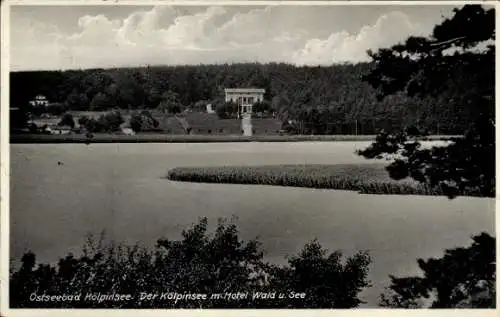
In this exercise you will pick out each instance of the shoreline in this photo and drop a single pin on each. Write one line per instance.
(170, 138)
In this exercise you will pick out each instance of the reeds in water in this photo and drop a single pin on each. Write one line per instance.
(363, 178)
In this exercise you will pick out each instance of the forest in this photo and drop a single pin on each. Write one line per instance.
(336, 99)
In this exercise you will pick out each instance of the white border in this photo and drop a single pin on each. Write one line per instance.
(246, 2)
(5, 168)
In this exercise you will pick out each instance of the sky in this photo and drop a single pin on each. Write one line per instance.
(78, 37)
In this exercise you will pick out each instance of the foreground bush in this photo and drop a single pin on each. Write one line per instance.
(365, 178)
(221, 263)
(198, 263)
(462, 278)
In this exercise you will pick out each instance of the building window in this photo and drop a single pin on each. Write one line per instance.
(250, 100)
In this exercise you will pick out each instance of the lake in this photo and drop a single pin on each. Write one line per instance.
(120, 188)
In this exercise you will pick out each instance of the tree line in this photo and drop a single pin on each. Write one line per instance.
(321, 100)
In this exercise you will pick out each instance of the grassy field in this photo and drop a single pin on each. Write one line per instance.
(202, 123)
(365, 178)
(173, 138)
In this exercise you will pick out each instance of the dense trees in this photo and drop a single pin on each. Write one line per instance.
(463, 277)
(67, 119)
(143, 121)
(224, 109)
(198, 263)
(18, 119)
(109, 122)
(344, 103)
(262, 108)
(169, 103)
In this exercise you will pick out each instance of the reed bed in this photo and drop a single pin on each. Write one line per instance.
(363, 178)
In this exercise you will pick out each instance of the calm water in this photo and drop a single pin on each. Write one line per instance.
(120, 188)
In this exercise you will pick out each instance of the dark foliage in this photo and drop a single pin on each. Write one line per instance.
(143, 121)
(136, 122)
(33, 128)
(67, 119)
(198, 263)
(169, 103)
(109, 122)
(462, 278)
(83, 120)
(18, 119)
(334, 284)
(149, 123)
(465, 80)
(56, 109)
(262, 108)
(226, 110)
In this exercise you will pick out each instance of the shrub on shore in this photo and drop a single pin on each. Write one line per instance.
(364, 178)
(199, 263)
(462, 278)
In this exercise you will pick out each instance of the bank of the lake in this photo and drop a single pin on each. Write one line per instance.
(176, 138)
(365, 178)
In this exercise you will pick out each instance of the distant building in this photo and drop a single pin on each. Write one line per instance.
(128, 131)
(56, 129)
(39, 101)
(244, 97)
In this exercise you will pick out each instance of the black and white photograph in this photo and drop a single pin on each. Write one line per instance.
(248, 155)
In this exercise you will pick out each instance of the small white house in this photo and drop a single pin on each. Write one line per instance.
(40, 101)
(209, 108)
(128, 131)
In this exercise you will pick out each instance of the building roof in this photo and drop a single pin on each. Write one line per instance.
(243, 90)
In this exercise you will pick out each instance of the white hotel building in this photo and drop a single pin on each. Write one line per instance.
(245, 98)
